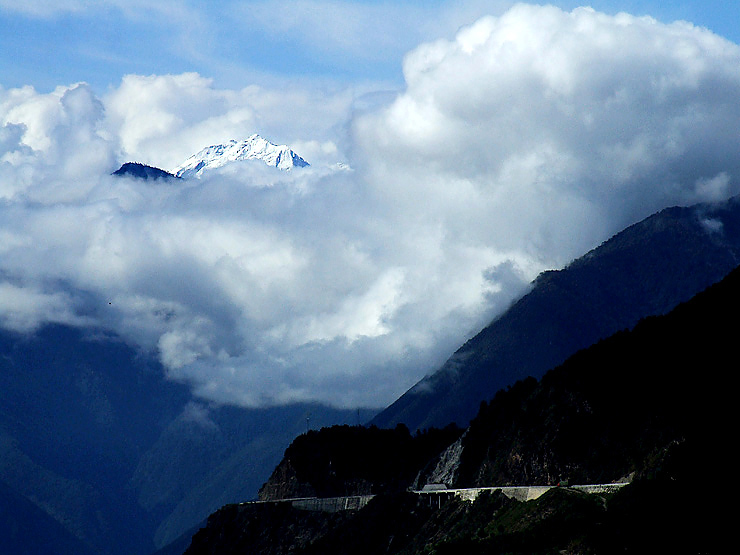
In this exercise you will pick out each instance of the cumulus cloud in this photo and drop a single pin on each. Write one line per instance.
(544, 117)
(23, 307)
(516, 146)
(52, 143)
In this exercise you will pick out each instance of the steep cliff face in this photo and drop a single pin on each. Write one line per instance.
(443, 470)
(284, 484)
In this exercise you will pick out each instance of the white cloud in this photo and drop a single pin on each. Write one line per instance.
(541, 116)
(57, 143)
(24, 308)
(517, 145)
(716, 188)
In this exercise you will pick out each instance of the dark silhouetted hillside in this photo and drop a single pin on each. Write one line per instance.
(617, 407)
(142, 171)
(352, 460)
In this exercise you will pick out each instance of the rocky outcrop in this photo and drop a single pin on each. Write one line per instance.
(284, 484)
(445, 468)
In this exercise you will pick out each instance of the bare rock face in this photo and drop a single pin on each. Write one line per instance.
(284, 484)
(445, 470)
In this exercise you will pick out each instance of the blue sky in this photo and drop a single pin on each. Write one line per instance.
(47, 43)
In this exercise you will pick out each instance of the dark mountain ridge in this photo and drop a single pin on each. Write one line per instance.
(647, 269)
(143, 171)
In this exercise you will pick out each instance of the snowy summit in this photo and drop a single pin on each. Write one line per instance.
(254, 148)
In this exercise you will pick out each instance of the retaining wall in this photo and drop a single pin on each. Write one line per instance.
(520, 493)
(356, 502)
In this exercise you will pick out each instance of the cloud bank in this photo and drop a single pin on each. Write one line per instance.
(518, 145)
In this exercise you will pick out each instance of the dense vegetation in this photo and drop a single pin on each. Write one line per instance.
(614, 408)
(665, 514)
(353, 460)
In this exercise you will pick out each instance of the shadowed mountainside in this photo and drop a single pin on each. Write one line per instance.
(647, 269)
(619, 407)
(29, 529)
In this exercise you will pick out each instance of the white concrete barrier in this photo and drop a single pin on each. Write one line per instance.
(435, 496)
(520, 493)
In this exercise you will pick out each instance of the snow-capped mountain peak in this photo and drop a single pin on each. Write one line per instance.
(253, 148)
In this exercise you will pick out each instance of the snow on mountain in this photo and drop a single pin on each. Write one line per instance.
(254, 148)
